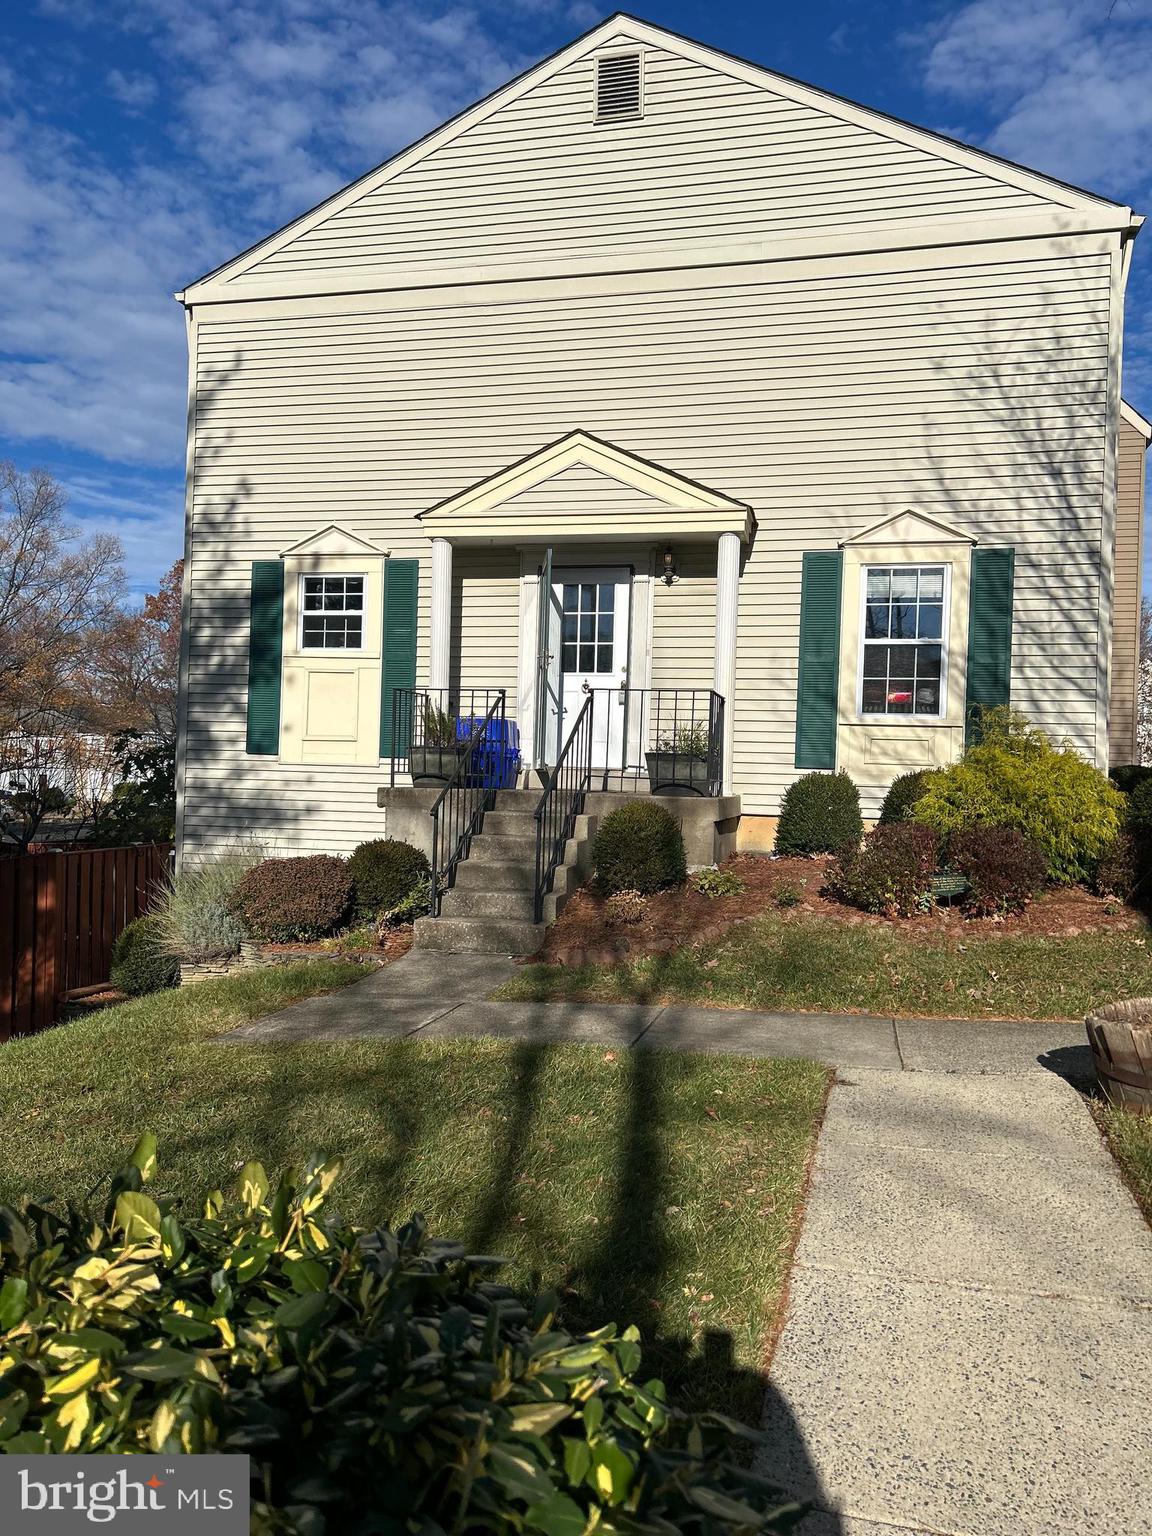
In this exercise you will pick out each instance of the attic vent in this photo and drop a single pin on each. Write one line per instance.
(617, 87)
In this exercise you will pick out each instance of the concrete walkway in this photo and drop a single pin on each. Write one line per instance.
(968, 1345)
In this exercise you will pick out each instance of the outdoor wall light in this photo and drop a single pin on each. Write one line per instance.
(669, 565)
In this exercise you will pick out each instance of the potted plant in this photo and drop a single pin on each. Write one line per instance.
(434, 759)
(679, 765)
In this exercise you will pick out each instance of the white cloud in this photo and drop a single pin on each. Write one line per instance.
(1068, 82)
(269, 106)
(131, 91)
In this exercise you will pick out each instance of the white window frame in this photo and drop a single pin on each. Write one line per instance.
(332, 650)
(873, 717)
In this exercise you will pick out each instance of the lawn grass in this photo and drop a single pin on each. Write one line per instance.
(1130, 1137)
(651, 1187)
(798, 963)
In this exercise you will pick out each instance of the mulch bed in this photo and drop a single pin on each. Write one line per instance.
(395, 946)
(583, 934)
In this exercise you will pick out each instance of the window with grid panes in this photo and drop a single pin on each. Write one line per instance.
(902, 649)
(332, 613)
(587, 626)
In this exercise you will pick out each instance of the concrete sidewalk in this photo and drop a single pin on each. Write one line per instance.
(439, 995)
(968, 1345)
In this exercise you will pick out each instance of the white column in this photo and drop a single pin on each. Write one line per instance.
(727, 611)
(440, 659)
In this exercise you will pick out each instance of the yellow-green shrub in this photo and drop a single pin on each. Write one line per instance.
(1016, 777)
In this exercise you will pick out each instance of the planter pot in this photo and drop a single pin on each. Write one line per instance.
(670, 773)
(432, 765)
(1121, 1040)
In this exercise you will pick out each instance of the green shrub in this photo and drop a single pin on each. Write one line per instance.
(379, 1380)
(1126, 776)
(902, 796)
(890, 872)
(1003, 869)
(718, 882)
(196, 917)
(283, 901)
(820, 813)
(789, 895)
(417, 903)
(384, 872)
(1016, 777)
(639, 847)
(1123, 869)
(1138, 814)
(140, 961)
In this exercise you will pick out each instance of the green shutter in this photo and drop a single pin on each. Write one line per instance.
(401, 587)
(819, 677)
(989, 635)
(265, 651)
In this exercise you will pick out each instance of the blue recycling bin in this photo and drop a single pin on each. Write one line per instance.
(496, 757)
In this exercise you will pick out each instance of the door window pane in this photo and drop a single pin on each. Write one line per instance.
(333, 613)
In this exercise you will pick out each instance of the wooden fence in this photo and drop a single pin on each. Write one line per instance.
(60, 914)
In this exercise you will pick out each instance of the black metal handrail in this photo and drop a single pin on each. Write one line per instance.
(563, 800)
(670, 738)
(460, 805)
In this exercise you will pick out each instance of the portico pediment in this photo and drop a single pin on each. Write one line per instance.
(584, 487)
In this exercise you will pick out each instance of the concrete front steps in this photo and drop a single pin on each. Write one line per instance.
(489, 910)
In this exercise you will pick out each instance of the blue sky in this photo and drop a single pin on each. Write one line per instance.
(143, 142)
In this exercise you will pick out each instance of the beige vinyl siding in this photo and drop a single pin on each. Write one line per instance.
(1130, 471)
(486, 620)
(540, 180)
(968, 384)
(684, 620)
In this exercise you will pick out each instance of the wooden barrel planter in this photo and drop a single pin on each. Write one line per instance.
(1121, 1040)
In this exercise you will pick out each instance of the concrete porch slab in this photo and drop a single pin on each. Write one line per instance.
(861, 1041)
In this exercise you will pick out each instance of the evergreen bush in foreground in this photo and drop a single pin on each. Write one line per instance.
(382, 1382)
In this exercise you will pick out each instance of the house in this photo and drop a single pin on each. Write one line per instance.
(669, 401)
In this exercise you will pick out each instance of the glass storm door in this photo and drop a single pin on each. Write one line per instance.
(590, 607)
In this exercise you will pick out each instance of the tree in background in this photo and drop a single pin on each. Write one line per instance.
(135, 675)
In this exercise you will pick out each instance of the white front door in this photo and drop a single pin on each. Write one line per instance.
(590, 611)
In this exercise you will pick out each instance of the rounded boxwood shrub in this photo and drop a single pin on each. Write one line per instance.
(381, 1380)
(820, 813)
(384, 872)
(285, 900)
(1126, 776)
(639, 847)
(890, 872)
(1003, 868)
(904, 792)
(140, 962)
(1139, 809)
(1016, 777)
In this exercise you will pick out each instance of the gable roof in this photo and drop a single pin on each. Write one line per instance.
(623, 29)
(652, 493)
